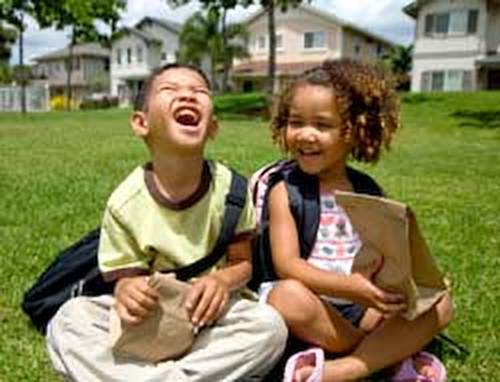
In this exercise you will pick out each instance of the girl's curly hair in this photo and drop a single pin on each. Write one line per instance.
(366, 100)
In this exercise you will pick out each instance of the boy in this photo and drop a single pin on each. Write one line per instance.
(168, 214)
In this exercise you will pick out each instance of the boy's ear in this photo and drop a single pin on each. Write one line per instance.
(213, 128)
(139, 124)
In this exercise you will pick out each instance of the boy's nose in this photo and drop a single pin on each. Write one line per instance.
(186, 94)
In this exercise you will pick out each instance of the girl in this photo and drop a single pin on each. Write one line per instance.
(339, 110)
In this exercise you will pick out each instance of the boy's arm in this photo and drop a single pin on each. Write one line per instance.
(288, 263)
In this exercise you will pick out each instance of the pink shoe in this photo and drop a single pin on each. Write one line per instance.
(313, 357)
(406, 371)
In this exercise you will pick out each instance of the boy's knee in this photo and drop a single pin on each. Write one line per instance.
(274, 327)
(294, 301)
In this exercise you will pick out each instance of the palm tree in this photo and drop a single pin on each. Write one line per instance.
(202, 36)
(400, 61)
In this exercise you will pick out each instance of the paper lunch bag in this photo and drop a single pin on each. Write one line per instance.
(166, 334)
(388, 228)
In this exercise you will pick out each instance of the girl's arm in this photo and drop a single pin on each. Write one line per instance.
(288, 263)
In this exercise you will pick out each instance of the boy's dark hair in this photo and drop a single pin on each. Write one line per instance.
(366, 100)
(141, 100)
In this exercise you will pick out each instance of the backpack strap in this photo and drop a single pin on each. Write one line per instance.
(235, 202)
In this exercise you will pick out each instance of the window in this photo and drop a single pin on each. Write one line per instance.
(139, 54)
(163, 56)
(451, 80)
(118, 56)
(261, 42)
(380, 50)
(129, 55)
(279, 41)
(356, 44)
(314, 40)
(456, 22)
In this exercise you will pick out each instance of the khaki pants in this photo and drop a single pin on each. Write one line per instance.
(243, 346)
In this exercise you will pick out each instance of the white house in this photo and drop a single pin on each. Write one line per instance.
(137, 50)
(306, 36)
(457, 45)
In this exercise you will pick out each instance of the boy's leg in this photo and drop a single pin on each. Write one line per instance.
(392, 341)
(246, 342)
(244, 345)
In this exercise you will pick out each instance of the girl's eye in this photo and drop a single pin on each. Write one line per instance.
(294, 124)
(324, 126)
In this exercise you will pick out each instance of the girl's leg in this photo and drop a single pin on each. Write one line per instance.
(392, 341)
(310, 320)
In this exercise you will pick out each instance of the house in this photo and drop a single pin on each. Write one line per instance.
(305, 37)
(90, 70)
(457, 45)
(137, 50)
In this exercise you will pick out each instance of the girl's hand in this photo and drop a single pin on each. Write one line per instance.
(388, 303)
(206, 300)
(135, 299)
(368, 294)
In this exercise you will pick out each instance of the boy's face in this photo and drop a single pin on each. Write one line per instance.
(179, 116)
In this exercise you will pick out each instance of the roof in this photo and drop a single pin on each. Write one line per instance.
(172, 26)
(88, 49)
(259, 68)
(329, 17)
(412, 8)
(489, 61)
(147, 37)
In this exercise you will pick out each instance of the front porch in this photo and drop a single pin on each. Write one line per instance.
(488, 72)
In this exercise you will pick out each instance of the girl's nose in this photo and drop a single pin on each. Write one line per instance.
(307, 134)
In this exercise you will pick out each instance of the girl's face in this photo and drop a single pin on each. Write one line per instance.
(315, 135)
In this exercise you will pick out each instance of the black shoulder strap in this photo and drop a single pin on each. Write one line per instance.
(235, 202)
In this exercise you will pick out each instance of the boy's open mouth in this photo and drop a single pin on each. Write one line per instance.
(187, 116)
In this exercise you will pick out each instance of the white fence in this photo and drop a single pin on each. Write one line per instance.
(37, 98)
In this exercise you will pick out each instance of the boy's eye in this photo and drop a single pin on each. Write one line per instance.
(204, 91)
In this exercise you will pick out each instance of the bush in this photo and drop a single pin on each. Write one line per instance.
(99, 101)
(249, 104)
(60, 103)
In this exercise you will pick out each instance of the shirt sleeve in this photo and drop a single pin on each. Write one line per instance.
(247, 223)
(119, 255)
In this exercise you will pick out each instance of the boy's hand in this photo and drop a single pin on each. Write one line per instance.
(206, 300)
(368, 294)
(135, 299)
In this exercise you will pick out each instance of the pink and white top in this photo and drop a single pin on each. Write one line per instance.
(337, 243)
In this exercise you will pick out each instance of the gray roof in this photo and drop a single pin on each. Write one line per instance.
(167, 24)
(88, 49)
(328, 17)
(147, 37)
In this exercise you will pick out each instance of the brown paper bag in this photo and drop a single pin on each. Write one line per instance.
(388, 228)
(166, 334)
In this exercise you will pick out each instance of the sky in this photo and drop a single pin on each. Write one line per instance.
(383, 17)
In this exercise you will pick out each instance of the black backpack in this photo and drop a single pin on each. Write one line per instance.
(303, 198)
(75, 271)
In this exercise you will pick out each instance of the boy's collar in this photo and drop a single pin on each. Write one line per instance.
(156, 194)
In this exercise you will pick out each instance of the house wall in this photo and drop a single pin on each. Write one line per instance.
(448, 52)
(134, 69)
(291, 26)
(169, 39)
(359, 46)
(493, 29)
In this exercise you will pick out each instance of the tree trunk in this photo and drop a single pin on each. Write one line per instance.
(22, 73)
(227, 58)
(272, 51)
(69, 69)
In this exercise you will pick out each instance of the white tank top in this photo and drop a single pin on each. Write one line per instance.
(337, 243)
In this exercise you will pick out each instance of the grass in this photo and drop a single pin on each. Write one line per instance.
(57, 170)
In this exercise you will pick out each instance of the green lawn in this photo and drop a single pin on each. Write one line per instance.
(57, 170)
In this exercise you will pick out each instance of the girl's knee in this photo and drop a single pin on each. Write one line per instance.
(444, 310)
(296, 303)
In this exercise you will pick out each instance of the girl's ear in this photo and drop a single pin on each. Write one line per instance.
(349, 133)
(213, 128)
(139, 124)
